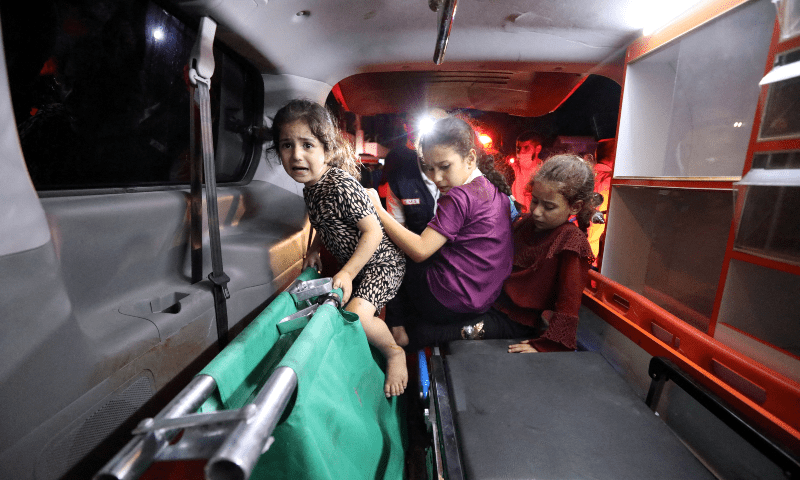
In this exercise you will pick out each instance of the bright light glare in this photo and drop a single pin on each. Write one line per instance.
(158, 33)
(425, 125)
(655, 14)
(738, 124)
(511, 160)
(485, 139)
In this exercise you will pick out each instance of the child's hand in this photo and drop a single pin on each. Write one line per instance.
(522, 347)
(344, 281)
(375, 198)
(312, 259)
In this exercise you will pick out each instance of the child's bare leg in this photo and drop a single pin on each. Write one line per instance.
(379, 336)
(400, 335)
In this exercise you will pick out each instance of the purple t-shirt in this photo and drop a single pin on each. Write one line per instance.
(469, 271)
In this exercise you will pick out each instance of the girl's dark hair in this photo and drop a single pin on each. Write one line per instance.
(457, 134)
(338, 149)
(576, 182)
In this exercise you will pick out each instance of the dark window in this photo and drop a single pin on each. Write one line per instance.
(769, 223)
(101, 97)
(782, 113)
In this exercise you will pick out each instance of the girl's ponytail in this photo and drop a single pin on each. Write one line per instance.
(587, 214)
(486, 166)
(576, 179)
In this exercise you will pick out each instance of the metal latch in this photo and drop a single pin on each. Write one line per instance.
(322, 288)
(201, 61)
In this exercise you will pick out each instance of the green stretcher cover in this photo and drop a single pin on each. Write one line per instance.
(339, 424)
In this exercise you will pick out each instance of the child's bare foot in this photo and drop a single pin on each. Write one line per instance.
(400, 336)
(396, 372)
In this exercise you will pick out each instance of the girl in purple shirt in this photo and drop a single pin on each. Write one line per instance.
(465, 253)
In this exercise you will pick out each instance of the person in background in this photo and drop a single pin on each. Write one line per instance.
(370, 171)
(527, 160)
(602, 185)
(411, 197)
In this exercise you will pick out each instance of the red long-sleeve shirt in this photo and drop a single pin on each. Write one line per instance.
(550, 270)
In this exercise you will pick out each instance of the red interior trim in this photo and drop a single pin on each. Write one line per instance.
(695, 352)
(766, 262)
(675, 183)
(789, 44)
(775, 145)
(569, 94)
(337, 94)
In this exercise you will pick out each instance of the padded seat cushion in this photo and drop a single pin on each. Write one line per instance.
(556, 416)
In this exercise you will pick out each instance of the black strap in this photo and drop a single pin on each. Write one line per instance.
(217, 276)
(201, 66)
(196, 194)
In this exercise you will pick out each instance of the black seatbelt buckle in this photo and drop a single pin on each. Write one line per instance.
(221, 280)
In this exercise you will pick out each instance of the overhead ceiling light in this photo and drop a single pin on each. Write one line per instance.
(425, 125)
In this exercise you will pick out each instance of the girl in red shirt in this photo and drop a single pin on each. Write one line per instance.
(552, 256)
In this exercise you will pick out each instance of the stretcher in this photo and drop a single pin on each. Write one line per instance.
(298, 394)
(559, 416)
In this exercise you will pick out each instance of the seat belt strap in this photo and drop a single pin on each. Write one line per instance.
(201, 68)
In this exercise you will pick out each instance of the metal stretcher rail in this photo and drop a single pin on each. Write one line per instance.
(662, 369)
(448, 457)
(232, 440)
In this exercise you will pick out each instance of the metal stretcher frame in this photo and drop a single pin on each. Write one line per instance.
(232, 440)
(662, 369)
(445, 443)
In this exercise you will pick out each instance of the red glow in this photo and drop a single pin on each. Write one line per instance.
(50, 67)
(511, 161)
(486, 140)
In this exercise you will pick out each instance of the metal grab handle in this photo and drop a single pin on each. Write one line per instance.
(447, 11)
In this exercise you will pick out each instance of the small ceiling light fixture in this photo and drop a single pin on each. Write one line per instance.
(301, 16)
(158, 34)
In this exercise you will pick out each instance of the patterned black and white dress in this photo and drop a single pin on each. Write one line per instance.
(335, 205)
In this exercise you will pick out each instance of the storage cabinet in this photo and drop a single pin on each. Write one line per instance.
(704, 217)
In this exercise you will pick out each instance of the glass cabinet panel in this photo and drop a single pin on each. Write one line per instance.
(782, 113)
(688, 108)
(668, 244)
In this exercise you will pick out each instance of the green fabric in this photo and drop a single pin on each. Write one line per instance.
(341, 425)
(338, 425)
(246, 363)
